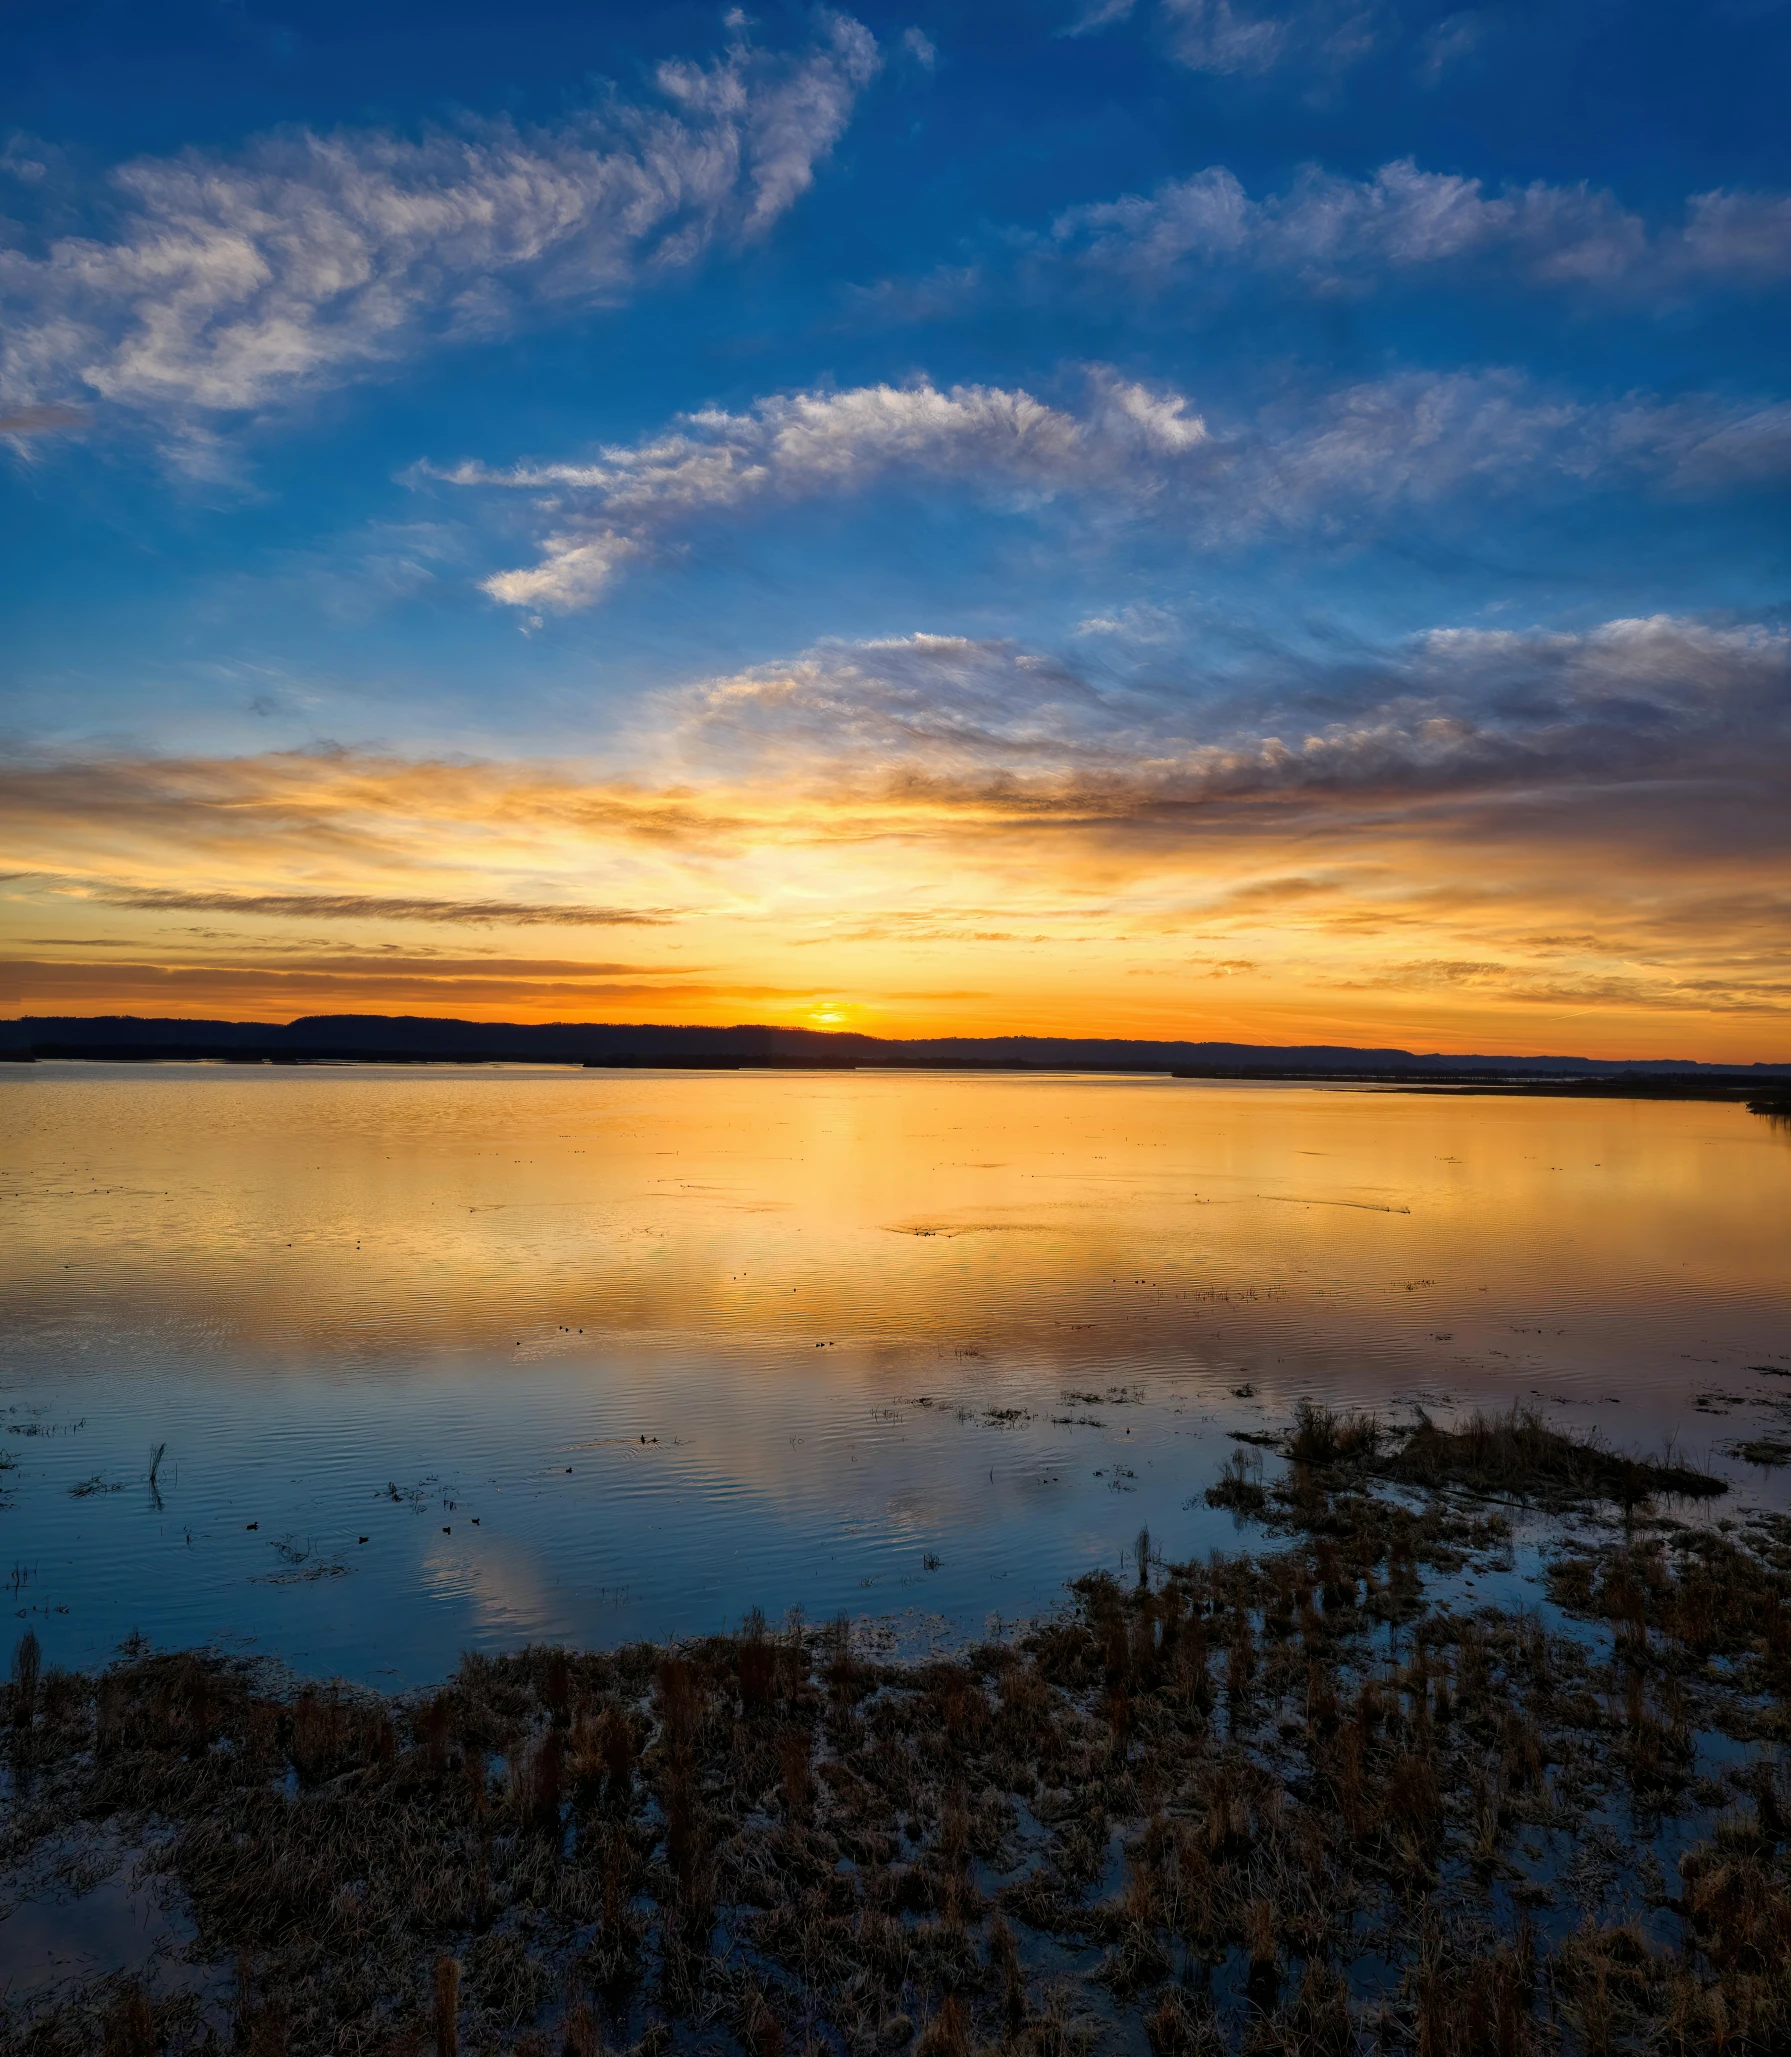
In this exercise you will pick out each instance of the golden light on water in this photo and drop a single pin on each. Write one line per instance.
(854, 1316)
(510, 1210)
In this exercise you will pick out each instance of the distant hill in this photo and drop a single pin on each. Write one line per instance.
(381, 1038)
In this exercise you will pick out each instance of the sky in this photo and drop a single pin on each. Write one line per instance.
(1131, 517)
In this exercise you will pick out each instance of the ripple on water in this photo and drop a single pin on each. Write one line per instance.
(905, 1346)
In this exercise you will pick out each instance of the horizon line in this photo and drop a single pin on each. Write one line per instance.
(426, 1025)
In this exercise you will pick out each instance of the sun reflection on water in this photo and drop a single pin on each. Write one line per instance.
(599, 1354)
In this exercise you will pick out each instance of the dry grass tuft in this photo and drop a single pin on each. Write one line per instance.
(1519, 1455)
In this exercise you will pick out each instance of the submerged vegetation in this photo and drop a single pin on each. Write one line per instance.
(1296, 1800)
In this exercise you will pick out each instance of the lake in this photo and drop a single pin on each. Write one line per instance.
(441, 1359)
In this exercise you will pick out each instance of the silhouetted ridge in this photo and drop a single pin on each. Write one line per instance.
(421, 1039)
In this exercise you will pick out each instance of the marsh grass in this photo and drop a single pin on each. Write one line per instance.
(1239, 1485)
(1264, 1803)
(1520, 1455)
(1516, 1455)
(1323, 1437)
(27, 1667)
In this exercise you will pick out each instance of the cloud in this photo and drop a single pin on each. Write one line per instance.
(1739, 235)
(989, 438)
(1420, 436)
(1450, 41)
(864, 712)
(796, 442)
(1696, 445)
(363, 907)
(1653, 988)
(1333, 233)
(1492, 834)
(1100, 14)
(356, 823)
(1314, 460)
(574, 572)
(1231, 40)
(34, 985)
(1138, 623)
(1215, 36)
(233, 282)
(40, 420)
(851, 739)
(1228, 40)
(997, 730)
(18, 161)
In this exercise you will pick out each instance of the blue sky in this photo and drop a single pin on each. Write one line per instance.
(986, 398)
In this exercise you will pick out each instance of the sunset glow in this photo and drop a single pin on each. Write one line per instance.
(729, 546)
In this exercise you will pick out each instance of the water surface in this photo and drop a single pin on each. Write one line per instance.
(461, 1358)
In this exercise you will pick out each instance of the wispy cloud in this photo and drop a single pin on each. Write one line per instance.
(235, 281)
(1312, 459)
(996, 440)
(370, 908)
(1215, 36)
(1334, 233)
(1098, 15)
(46, 985)
(1232, 38)
(40, 420)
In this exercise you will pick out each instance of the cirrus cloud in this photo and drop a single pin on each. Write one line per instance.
(1313, 460)
(788, 447)
(233, 282)
(1334, 233)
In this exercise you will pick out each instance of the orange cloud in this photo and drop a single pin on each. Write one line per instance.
(920, 849)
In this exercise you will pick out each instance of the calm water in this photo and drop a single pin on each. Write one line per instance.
(453, 1359)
